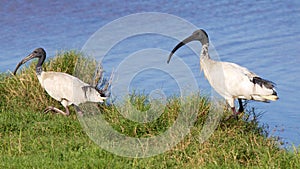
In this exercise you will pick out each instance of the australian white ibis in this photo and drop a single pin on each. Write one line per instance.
(230, 80)
(61, 86)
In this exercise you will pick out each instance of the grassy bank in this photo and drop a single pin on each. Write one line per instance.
(31, 139)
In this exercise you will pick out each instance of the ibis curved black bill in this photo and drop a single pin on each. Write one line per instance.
(27, 58)
(37, 53)
(179, 45)
(199, 35)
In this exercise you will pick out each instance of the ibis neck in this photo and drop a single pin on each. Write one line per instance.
(205, 61)
(204, 52)
(39, 68)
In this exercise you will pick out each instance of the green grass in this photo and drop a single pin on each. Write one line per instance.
(31, 139)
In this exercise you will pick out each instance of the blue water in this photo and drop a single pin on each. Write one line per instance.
(262, 36)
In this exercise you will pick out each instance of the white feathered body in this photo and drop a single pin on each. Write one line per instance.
(232, 81)
(68, 89)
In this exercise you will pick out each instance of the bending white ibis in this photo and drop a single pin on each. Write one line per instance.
(61, 86)
(230, 80)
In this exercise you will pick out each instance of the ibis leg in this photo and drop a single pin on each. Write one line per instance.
(51, 108)
(233, 110)
(241, 109)
(234, 115)
(78, 111)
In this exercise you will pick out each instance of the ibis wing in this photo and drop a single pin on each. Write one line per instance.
(61, 85)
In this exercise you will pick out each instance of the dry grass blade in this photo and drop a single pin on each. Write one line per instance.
(106, 84)
(98, 75)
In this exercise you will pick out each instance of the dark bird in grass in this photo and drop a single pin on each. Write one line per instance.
(66, 89)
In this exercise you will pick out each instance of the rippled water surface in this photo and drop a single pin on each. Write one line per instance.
(262, 36)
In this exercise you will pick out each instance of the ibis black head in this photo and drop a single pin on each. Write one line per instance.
(198, 35)
(37, 53)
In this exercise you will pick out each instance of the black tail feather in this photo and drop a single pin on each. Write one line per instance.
(262, 82)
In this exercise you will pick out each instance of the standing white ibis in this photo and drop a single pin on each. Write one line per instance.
(230, 80)
(61, 86)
